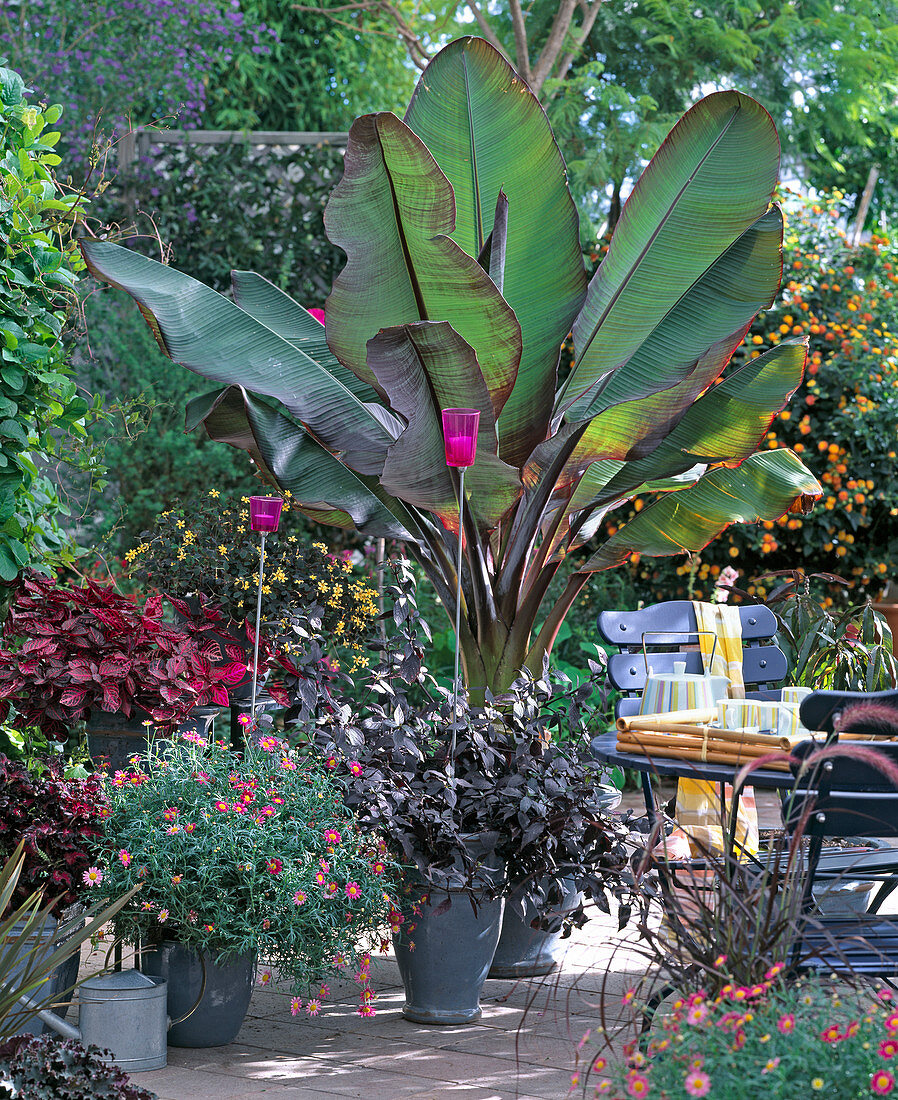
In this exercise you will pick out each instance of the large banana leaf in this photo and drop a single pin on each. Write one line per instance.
(424, 368)
(693, 342)
(488, 132)
(209, 334)
(285, 316)
(292, 459)
(687, 209)
(726, 423)
(391, 213)
(764, 487)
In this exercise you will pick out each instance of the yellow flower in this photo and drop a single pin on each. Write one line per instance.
(180, 523)
(222, 549)
(817, 1084)
(214, 493)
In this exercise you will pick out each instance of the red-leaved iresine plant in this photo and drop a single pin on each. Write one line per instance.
(70, 651)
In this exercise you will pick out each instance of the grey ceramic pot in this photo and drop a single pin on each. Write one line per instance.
(218, 1017)
(526, 952)
(42, 943)
(444, 972)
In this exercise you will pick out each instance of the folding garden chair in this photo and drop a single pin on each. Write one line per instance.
(845, 796)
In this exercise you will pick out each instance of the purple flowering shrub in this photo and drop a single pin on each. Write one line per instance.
(122, 63)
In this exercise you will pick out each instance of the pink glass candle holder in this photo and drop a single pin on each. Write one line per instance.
(265, 513)
(460, 436)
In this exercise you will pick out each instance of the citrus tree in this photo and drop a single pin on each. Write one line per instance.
(463, 277)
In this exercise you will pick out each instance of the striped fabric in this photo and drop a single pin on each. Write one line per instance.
(699, 803)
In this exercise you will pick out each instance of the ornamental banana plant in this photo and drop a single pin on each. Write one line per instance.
(463, 277)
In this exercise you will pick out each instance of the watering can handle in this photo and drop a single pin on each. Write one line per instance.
(196, 1004)
(681, 633)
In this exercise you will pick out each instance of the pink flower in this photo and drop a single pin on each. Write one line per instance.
(331, 890)
(170, 813)
(697, 1083)
(324, 990)
(378, 867)
(265, 977)
(268, 744)
(365, 1010)
(786, 1024)
(882, 1082)
(696, 1014)
(324, 865)
(93, 876)
(163, 916)
(339, 961)
(288, 765)
(221, 806)
(353, 890)
(355, 768)
(637, 1084)
(245, 719)
(274, 866)
(331, 762)
(299, 898)
(195, 738)
(295, 1006)
(332, 837)
(771, 1065)
(831, 1034)
(124, 857)
(202, 777)
(313, 1007)
(888, 1048)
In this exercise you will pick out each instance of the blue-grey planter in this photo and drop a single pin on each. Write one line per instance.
(225, 1001)
(444, 974)
(526, 952)
(61, 980)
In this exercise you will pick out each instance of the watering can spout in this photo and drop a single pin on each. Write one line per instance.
(124, 1012)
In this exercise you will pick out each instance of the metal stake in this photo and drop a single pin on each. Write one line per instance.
(258, 624)
(461, 511)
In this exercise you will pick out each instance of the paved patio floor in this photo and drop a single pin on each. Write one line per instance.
(524, 1046)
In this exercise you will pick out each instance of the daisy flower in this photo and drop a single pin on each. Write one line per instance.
(295, 1006)
(313, 1007)
(93, 876)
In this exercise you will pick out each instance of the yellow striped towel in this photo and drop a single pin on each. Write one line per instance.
(700, 808)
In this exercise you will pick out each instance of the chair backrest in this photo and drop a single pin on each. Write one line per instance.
(669, 633)
(820, 710)
(847, 794)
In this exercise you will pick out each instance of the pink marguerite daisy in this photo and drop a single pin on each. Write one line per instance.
(353, 890)
(124, 857)
(313, 1007)
(93, 876)
(299, 898)
(697, 1083)
(295, 1006)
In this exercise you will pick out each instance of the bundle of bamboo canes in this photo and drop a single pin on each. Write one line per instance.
(688, 735)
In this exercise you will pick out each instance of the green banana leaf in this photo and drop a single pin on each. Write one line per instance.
(391, 213)
(686, 210)
(279, 312)
(764, 487)
(488, 132)
(290, 458)
(209, 334)
(693, 342)
(726, 423)
(424, 368)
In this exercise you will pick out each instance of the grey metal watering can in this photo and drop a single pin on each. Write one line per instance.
(124, 1012)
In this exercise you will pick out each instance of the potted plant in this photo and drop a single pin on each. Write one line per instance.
(29, 959)
(242, 857)
(55, 821)
(206, 550)
(71, 652)
(784, 1039)
(460, 794)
